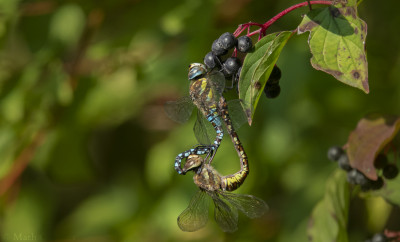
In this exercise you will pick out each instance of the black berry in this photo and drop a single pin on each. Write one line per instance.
(335, 152)
(275, 76)
(351, 176)
(344, 162)
(366, 186)
(362, 180)
(378, 184)
(210, 60)
(379, 238)
(232, 65)
(227, 41)
(272, 91)
(390, 171)
(244, 44)
(380, 161)
(217, 48)
(355, 177)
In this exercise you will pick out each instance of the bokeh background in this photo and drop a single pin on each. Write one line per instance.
(87, 153)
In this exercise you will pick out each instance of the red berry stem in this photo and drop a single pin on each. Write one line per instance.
(263, 27)
(288, 10)
(393, 235)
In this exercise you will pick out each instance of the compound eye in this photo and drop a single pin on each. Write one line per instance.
(193, 161)
(195, 72)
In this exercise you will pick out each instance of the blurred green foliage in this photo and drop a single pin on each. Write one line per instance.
(87, 153)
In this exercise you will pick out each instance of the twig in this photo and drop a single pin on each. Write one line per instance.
(21, 162)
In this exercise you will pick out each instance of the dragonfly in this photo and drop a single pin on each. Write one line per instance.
(216, 188)
(205, 92)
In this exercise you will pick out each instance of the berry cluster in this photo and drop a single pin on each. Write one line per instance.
(272, 88)
(221, 46)
(379, 237)
(356, 177)
(232, 66)
(389, 171)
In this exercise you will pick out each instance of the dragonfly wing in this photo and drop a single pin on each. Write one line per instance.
(179, 110)
(225, 214)
(236, 113)
(252, 206)
(195, 216)
(203, 130)
(218, 82)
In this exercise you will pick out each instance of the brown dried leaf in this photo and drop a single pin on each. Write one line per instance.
(370, 136)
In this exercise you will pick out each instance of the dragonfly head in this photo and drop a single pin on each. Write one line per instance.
(192, 162)
(196, 70)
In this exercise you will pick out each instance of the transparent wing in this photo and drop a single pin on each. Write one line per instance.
(179, 110)
(195, 216)
(225, 214)
(236, 113)
(217, 81)
(252, 206)
(203, 130)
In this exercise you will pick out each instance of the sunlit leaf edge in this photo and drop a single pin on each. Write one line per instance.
(256, 69)
(330, 216)
(354, 74)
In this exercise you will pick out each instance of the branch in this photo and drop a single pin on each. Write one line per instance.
(21, 162)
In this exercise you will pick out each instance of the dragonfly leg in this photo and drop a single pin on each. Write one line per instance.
(211, 149)
(233, 83)
(211, 158)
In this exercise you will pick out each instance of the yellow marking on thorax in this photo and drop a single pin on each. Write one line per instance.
(210, 94)
(206, 176)
(203, 84)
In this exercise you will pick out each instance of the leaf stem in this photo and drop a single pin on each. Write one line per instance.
(263, 27)
(21, 162)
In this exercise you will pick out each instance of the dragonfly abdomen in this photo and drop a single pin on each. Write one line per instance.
(232, 182)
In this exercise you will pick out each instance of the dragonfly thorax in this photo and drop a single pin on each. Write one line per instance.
(209, 179)
(202, 95)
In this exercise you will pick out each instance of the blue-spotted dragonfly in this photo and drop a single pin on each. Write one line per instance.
(205, 92)
(216, 187)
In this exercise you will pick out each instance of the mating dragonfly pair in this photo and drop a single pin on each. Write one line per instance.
(205, 92)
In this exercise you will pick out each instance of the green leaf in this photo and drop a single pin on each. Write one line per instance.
(390, 191)
(370, 136)
(8, 11)
(30, 215)
(329, 218)
(113, 98)
(337, 42)
(67, 24)
(256, 69)
(113, 205)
